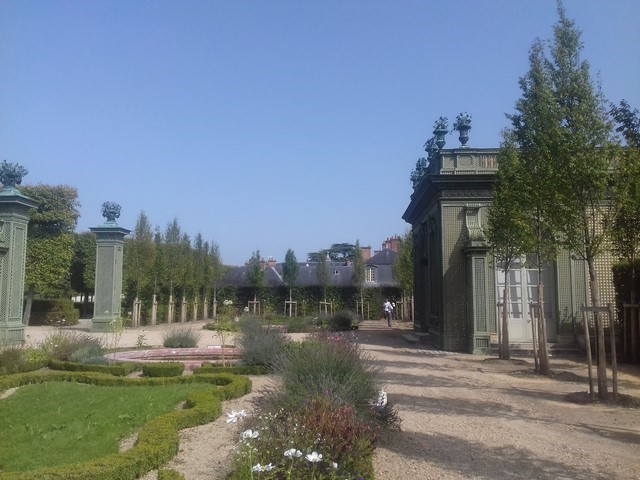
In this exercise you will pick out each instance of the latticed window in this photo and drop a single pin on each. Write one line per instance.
(370, 276)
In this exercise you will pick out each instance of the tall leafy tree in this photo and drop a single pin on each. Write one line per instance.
(358, 274)
(83, 266)
(563, 136)
(255, 273)
(290, 271)
(322, 274)
(509, 226)
(338, 252)
(172, 255)
(186, 267)
(200, 265)
(140, 257)
(50, 241)
(625, 220)
(403, 268)
(217, 272)
(160, 261)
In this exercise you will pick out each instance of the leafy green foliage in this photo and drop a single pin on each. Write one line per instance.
(255, 273)
(403, 269)
(290, 269)
(180, 337)
(50, 238)
(625, 220)
(337, 252)
(358, 269)
(140, 253)
(83, 265)
(58, 312)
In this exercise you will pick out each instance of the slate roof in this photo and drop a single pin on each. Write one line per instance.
(340, 273)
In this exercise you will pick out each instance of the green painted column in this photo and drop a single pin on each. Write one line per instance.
(14, 217)
(108, 284)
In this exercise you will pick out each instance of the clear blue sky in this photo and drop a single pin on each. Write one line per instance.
(271, 124)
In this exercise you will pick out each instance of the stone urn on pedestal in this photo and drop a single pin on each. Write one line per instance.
(462, 125)
(440, 129)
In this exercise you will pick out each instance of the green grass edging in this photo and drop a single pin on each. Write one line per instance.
(158, 439)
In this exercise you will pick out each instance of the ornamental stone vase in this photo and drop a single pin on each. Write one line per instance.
(440, 133)
(464, 135)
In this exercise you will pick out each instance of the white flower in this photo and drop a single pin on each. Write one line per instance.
(268, 468)
(234, 416)
(314, 457)
(257, 468)
(381, 401)
(247, 434)
(334, 465)
(291, 453)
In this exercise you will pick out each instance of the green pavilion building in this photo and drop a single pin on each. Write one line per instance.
(456, 283)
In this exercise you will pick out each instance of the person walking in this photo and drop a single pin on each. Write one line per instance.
(388, 311)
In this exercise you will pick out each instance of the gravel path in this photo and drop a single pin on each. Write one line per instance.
(467, 417)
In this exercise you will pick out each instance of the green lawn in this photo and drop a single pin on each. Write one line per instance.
(56, 423)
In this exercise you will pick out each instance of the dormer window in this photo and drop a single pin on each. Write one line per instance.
(370, 275)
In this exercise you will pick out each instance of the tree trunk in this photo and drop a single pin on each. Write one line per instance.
(602, 353)
(542, 329)
(26, 316)
(506, 353)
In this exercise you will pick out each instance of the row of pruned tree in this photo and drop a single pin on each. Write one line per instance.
(564, 179)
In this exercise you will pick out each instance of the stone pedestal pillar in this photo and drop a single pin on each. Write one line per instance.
(108, 288)
(14, 217)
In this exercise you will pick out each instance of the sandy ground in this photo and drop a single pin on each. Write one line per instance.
(463, 416)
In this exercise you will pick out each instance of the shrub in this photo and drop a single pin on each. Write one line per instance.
(259, 345)
(181, 338)
(169, 475)
(86, 353)
(300, 325)
(63, 344)
(163, 369)
(327, 365)
(11, 360)
(53, 312)
(342, 321)
(334, 431)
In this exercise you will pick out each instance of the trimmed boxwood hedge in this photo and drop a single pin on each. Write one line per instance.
(117, 369)
(162, 369)
(158, 439)
(237, 370)
(170, 475)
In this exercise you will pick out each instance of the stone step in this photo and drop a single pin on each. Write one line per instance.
(411, 338)
(526, 349)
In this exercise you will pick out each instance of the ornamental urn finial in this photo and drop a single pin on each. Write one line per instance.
(440, 129)
(110, 211)
(463, 125)
(11, 174)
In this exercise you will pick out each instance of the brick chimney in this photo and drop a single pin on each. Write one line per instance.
(366, 253)
(391, 243)
(271, 262)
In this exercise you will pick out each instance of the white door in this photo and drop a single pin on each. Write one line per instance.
(523, 288)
